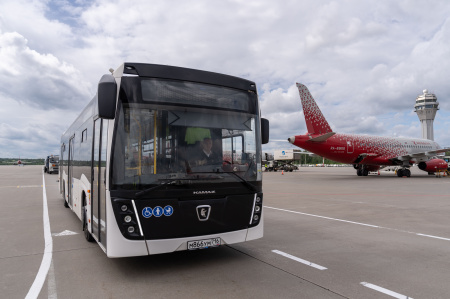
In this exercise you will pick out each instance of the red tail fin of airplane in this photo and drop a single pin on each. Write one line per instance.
(315, 121)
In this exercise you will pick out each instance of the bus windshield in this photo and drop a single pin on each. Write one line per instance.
(156, 144)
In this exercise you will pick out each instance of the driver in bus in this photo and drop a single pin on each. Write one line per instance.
(207, 156)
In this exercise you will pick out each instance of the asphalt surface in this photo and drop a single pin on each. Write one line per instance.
(328, 234)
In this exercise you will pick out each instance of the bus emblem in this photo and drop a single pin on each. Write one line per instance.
(203, 212)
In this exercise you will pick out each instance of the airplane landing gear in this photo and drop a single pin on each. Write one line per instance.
(362, 171)
(403, 172)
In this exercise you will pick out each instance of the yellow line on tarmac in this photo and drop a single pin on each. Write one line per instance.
(29, 186)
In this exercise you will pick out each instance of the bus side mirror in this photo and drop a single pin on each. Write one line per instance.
(264, 131)
(107, 92)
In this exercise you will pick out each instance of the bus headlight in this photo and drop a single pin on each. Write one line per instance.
(257, 210)
(127, 219)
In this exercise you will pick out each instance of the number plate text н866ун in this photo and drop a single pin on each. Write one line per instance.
(201, 244)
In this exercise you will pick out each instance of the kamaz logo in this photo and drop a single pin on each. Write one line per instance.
(204, 192)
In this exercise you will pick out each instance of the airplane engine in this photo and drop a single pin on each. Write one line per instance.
(433, 165)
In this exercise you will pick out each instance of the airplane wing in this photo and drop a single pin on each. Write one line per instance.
(423, 156)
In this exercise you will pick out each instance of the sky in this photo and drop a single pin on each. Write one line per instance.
(364, 62)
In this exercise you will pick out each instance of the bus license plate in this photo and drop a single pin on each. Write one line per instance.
(202, 244)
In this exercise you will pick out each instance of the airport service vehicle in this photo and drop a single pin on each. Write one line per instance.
(51, 164)
(366, 153)
(131, 164)
(284, 160)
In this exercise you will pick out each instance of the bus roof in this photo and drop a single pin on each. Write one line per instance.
(185, 74)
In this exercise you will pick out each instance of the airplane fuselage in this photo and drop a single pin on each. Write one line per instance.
(374, 150)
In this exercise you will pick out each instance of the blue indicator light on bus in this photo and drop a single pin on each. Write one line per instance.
(147, 212)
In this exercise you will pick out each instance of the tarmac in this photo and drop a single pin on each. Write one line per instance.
(327, 234)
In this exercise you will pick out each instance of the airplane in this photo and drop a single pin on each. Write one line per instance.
(18, 162)
(366, 153)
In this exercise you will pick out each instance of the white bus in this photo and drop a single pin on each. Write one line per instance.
(134, 168)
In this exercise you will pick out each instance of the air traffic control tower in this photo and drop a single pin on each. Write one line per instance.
(426, 107)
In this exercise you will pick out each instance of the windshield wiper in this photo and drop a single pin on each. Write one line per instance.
(140, 193)
(246, 183)
(189, 177)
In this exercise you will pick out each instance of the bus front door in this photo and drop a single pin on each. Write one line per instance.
(70, 172)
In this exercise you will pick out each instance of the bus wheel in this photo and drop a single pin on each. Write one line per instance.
(87, 234)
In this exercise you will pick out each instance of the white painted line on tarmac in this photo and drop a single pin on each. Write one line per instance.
(64, 233)
(435, 237)
(324, 217)
(48, 251)
(385, 291)
(359, 223)
(299, 260)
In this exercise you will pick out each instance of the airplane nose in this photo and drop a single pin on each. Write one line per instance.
(291, 139)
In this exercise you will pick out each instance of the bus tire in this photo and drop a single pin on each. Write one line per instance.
(87, 234)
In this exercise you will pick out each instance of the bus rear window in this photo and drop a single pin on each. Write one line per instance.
(196, 94)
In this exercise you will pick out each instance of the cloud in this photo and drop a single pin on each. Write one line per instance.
(39, 80)
(29, 132)
(364, 65)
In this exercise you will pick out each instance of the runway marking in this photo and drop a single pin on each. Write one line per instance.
(384, 291)
(30, 186)
(64, 233)
(48, 250)
(359, 194)
(359, 223)
(435, 237)
(299, 260)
